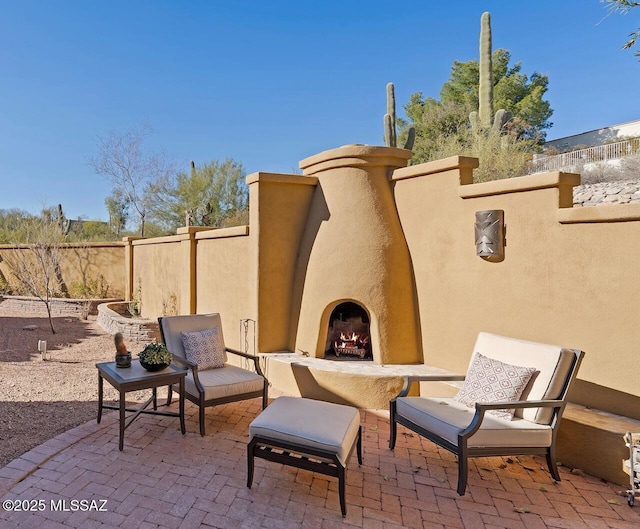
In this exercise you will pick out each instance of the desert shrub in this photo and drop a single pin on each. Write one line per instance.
(135, 306)
(170, 306)
(91, 287)
(500, 156)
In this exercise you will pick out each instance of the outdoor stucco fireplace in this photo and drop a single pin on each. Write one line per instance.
(353, 252)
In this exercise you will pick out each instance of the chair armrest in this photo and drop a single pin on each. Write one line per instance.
(482, 407)
(183, 361)
(520, 404)
(239, 353)
(190, 365)
(410, 379)
(248, 356)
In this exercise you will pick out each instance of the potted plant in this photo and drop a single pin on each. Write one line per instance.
(155, 357)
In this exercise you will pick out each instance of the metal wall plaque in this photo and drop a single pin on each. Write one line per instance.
(490, 240)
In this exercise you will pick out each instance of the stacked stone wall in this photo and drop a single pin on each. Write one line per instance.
(59, 306)
(133, 329)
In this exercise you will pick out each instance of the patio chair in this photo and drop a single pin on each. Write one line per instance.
(502, 409)
(196, 342)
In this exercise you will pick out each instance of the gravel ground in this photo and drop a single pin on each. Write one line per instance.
(41, 399)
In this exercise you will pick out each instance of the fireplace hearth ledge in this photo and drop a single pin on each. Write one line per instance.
(365, 385)
(355, 368)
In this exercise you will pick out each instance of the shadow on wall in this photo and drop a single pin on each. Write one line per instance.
(317, 215)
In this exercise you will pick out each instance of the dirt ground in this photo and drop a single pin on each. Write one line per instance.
(41, 399)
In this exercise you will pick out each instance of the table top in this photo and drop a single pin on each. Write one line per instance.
(137, 373)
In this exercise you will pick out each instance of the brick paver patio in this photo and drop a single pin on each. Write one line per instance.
(165, 480)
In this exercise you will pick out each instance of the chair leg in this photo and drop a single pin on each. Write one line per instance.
(551, 463)
(250, 450)
(393, 426)
(342, 489)
(265, 395)
(463, 471)
(359, 446)
(201, 417)
(169, 395)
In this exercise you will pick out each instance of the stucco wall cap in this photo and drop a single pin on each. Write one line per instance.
(183, 230)
(280, 178)
(234, 231)
(436, 166)
(520, 183)
(354, 156)
(600, 213)
(161, 240)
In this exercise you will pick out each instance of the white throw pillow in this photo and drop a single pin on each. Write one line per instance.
(489, 380)
(204, 348)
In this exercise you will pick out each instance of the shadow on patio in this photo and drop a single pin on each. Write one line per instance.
(164, 479)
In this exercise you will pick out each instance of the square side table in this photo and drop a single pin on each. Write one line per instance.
(134, 378)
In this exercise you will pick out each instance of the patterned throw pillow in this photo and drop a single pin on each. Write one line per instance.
(204, 348)
(490, 380)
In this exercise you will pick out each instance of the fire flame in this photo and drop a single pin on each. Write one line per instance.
(355, 341)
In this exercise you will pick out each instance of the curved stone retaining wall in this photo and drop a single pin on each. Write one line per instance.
(111, 320)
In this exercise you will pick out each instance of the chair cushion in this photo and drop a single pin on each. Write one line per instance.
(446, 417)
(310, 424)
(204, 348)
(490, 380)
(227, 381)
(553, 363)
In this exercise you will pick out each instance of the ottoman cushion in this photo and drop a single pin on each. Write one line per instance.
(309, 423)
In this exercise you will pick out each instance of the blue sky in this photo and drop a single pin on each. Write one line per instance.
(268, 83)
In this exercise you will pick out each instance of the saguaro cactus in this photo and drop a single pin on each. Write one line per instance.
(483, 118)
(390, 137)
(485, 90)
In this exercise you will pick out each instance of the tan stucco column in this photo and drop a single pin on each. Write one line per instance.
(188, 286)
(128, 264)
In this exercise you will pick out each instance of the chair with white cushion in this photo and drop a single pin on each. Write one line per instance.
(510, 403)
(196, 341)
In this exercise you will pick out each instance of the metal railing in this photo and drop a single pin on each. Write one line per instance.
(578, 158)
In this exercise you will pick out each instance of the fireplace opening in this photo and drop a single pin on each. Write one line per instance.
(348, 337)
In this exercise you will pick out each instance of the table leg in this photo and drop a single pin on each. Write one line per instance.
(155, 399)
(123, 405)
(99, 397)
(181, 410)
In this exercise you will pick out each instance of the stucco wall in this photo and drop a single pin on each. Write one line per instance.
(224, 279)
(569, 276)
(157, 273)
(80, 263)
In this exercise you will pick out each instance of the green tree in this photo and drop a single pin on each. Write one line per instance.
(118, 209)
(12, 222)
(214, 194)
(513, 90)
(624, 6)
(443, 127)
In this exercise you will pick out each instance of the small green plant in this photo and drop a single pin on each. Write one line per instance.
(170, 306)
(135, 306)
(5, 288)
(155, 354)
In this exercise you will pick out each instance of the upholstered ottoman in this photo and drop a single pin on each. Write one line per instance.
(308, 434)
